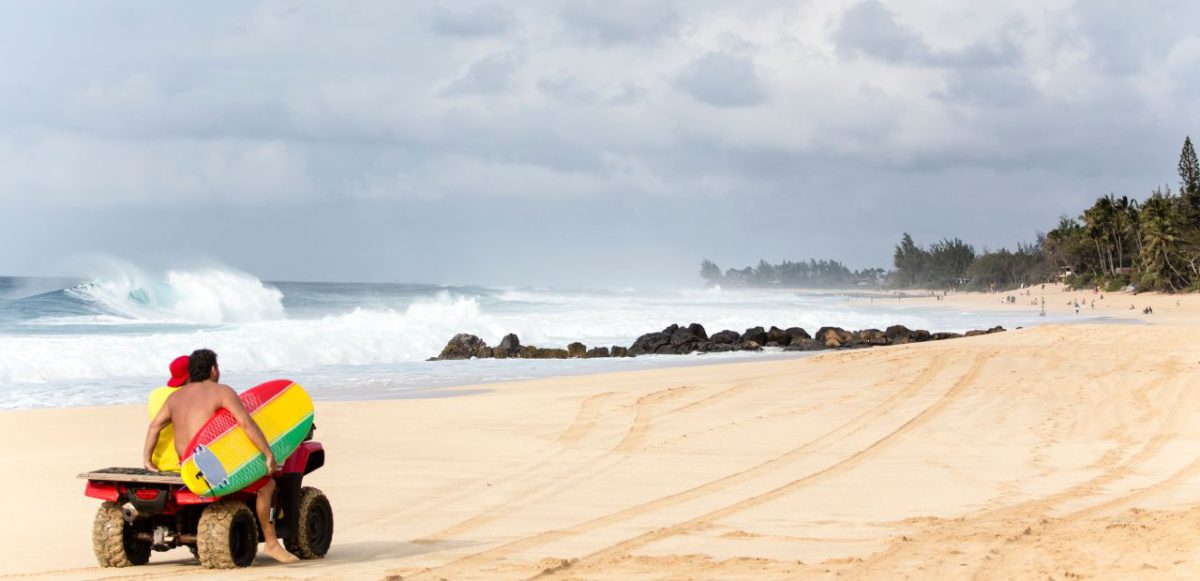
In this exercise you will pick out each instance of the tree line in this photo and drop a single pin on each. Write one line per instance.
(1152, 244)
(810, 273)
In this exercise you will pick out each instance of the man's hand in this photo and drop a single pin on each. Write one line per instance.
(148, 465)
(271, 465)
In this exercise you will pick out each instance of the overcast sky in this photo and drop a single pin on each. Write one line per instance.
(569, 143)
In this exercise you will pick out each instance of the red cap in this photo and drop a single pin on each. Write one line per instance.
(179, 371)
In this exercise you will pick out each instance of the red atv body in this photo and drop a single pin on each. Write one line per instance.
(146, 511)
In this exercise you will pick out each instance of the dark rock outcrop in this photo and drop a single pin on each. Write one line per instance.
(898, 335)
(688, 339)
(804, 345)
(978, 332)
(676, 340)
(778, 336)
(834, 337)
(463, 346)
(725, 337)
(651, 343)
(510, 346)
(755, 334)
(872, 337)
(796, 334)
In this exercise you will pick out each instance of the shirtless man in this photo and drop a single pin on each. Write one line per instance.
(190, 407)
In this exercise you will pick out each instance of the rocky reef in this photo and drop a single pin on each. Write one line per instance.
(678, 340)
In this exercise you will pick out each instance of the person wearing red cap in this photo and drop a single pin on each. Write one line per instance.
(164, 457)
(179, 371)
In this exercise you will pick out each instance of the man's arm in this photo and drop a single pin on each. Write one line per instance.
(230, 401)
(160, 421)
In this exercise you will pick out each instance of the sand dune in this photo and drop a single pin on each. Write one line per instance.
(1059, 452)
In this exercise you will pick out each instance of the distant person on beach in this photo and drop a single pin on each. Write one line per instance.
(190, 407)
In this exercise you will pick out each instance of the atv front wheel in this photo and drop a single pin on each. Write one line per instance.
(314, 526)
(227, 535)
(115, 541)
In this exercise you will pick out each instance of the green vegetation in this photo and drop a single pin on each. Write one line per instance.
(788, 274)
(1153, 244)
(1118, 241)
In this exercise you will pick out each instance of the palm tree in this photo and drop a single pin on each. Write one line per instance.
(1160, 238)
(1131, 222)
(1099, 221)
(1120, 225)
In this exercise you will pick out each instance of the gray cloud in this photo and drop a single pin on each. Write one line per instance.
(722, 80)
(473, 21)
(868, 28)
(617, 141)
(988, 87)
(567, 87)
(1124, 38)
(620, 21)
(488, 75)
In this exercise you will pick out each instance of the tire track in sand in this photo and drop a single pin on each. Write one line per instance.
(1183, 410)
(622, 548)
(585, 420)
(645, 414)
(589, 412)
(827, 439)
(1034, 512)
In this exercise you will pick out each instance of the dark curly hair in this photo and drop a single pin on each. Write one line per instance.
(201, 363)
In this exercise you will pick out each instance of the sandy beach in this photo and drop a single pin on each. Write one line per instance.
(1065, 451)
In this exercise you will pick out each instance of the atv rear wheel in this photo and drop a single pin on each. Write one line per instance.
(227, 535)
(314, 526)
(115, 541)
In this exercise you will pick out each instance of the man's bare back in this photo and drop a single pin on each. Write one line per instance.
(193, 404)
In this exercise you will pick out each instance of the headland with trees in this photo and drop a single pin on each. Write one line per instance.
(1117, 242)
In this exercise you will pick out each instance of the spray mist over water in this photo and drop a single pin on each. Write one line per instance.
(207, 296)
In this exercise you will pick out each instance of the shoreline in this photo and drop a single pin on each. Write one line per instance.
(467, 385)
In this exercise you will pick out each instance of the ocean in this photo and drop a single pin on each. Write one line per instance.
(109, 339)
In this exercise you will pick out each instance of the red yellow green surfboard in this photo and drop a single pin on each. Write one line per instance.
(221, 459)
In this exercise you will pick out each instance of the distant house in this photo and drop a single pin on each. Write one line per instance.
(1065, 272)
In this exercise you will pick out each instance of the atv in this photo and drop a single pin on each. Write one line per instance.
(146, 511)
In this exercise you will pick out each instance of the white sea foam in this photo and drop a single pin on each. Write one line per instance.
(333, 336)
(202, 296)
(360, 337)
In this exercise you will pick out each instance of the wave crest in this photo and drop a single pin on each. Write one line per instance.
(207, 296)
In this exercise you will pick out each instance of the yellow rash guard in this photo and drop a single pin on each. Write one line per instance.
(164, 456)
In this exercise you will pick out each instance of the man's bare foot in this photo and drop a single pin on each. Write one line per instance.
(277, 552)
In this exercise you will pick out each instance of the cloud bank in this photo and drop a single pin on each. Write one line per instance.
(773, 129)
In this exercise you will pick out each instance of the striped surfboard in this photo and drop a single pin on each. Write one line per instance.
(221, 459)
